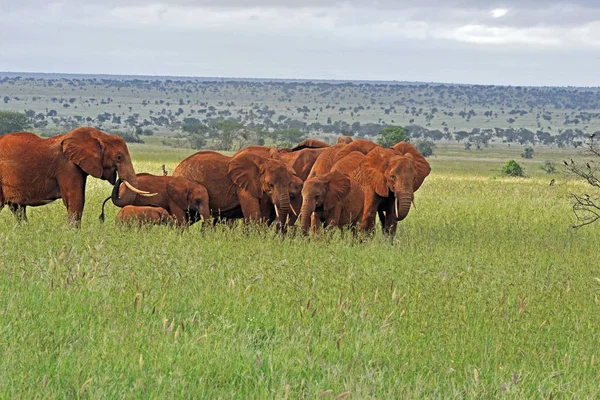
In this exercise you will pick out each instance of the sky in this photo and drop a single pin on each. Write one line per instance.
(512, 42)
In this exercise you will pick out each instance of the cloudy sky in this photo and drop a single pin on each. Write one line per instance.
(512, 42)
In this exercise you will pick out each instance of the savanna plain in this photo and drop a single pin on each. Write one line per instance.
(485, 291)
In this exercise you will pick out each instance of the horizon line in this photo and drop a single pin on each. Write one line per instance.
(304, 80)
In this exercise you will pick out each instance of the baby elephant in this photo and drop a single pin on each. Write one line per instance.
(185, 200)
(143, 215)
(334, 198)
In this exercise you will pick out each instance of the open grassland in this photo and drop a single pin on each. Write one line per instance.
(485, 292)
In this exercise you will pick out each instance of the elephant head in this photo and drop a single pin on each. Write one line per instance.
(189, 196)
(344, 140)
(102, 156)
(261, 176)
(323, 193)
(398, 172)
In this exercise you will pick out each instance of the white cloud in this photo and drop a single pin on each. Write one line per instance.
(499, 12)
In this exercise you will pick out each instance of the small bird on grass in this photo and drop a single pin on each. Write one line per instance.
(164, 171)
(552, 182)
(566, 164)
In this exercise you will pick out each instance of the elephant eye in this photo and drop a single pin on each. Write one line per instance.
(271, 185)
(119, 157)
(393, 177)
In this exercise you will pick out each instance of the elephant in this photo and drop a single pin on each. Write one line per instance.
(244, 181)
(142, 215)
(389, 178)
(300, 158)
(345, 140)
(334, 198)
(36, 171)
(310, 144)
(332, 154)
(185, 200)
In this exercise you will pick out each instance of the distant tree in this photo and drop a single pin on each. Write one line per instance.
(228, 132)
(391, 135)
(425, 147)
(528, 152)
(12, 121)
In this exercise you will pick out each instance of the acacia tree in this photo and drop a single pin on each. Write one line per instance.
(585, 206)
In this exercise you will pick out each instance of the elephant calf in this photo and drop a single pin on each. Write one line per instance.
(335, 200)
(185, 200)
(143, 215)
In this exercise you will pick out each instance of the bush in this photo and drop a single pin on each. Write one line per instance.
(12, 121)
(549, 166)
(425, 147)
(391, 135)
(512, 168)
(528, 152)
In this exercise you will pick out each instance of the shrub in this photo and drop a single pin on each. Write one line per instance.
(528, 152)
(549, 166)
(512, 168)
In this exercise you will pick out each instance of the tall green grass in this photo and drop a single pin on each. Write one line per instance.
(484, 292)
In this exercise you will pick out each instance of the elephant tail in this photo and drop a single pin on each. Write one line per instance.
(101, 217)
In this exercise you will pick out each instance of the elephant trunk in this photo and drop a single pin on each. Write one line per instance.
(308, 207)
(282, 207)
(402, 204)
(127, 176)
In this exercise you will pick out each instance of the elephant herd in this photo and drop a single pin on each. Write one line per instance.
(345, 185)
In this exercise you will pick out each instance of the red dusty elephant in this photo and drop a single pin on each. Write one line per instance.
(240, 183)
(389, 178)
(143, 215)
(301, 158)
(334, 199)
(36, 171)
(185, 200)
(332, 154)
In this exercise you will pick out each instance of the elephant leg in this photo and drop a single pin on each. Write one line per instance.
(179, 215)
(20, 212)
(382, 218)
(369, 213)
(333, 218)
(73, 195)
(250, 206)
(390, 223)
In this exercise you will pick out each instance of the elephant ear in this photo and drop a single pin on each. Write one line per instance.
(84, 150)
(373, 167)
(419, 162)
(179, 190)
(338, 189)
(244, 171)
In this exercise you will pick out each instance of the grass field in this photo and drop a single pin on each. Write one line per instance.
(485, 292)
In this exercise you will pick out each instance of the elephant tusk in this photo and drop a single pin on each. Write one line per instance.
(277, 210)
(202, 217)
(294, 211)
(396, 207)
(414, 205)
(147, 194)
(136, 190)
